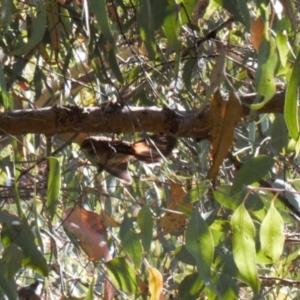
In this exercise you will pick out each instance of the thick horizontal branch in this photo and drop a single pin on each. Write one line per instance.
(112, 118)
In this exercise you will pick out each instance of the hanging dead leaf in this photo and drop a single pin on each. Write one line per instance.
(257, 32)
(217, 114)
(89, 229)
(175, 221)
(155, 284)
(222, 136)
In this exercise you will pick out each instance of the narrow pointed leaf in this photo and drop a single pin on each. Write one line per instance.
(99, 9)
(132, 246)
(271, 234)
(243, 246)
(291, 113)
(145, 223)
(54, 183)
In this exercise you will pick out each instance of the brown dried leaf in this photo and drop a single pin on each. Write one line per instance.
(90, 231)
(175, 221)
(223, 137)
(257, 32)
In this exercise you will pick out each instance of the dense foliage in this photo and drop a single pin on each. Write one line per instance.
(173, 233)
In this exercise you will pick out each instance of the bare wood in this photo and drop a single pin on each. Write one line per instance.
(117, 119)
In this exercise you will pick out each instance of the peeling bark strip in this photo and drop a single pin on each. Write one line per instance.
(112, 118)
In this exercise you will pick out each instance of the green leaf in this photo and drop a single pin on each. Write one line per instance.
(5, 13)
(22, 236)
(122, 274)
(144, 17)
(114, 65)
(171, 27)
(6, 99)
(244, 12)
(90, 293)
(223, 195)
(243, 246)
(199, 243)
(9, 287)
(37, 32)
(228, 287)
(271, 234)
(183, 255)
(253, 170)
(291, 113)
(190, 287)
(54, 183)
(265, 74)
(145, 222)
(279, 134)
(132, 247)
(283, 47)
(12, 260)
(99, 9)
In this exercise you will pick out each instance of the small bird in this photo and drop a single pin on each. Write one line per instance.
(113, 156)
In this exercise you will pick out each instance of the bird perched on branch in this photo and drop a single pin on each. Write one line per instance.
(113, 156)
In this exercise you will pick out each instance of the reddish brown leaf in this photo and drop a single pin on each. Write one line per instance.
(88, 227)
(257, 32)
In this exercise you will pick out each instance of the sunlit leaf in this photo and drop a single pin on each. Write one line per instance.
(283, 47)
(252, 170)
(291, 113)
(122, 274)
(172, 27)
(90, 293)
(54, 183)
(155, 284)
(243, 246)
(271, 234)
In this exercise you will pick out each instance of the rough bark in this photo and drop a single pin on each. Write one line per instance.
(112, 118)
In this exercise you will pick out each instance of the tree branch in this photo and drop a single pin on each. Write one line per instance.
(113, 118)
